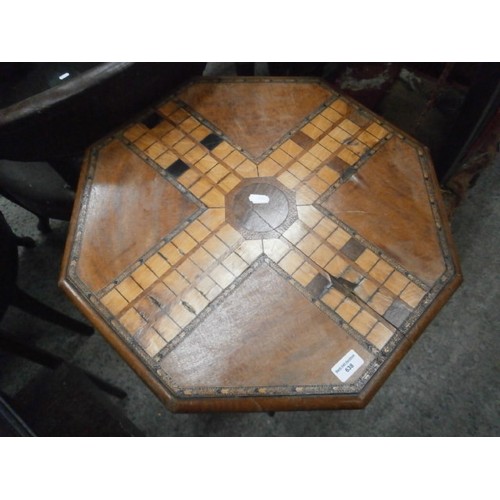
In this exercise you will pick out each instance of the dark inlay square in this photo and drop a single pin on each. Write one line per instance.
(397, 313)
(338, 165)
(353, 249)
(211, 141)
(177, 168)
(152, 120)
(303, 140)
(318, 286)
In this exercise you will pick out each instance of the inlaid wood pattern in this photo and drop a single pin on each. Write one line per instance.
(274, 229)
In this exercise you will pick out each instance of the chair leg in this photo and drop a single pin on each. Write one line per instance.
(29, 304)
(43, 224)
(25, 241)
(52, 361)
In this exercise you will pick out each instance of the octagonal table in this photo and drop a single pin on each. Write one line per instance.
(260, 244)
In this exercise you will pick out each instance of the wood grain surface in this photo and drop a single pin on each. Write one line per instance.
(257, 245)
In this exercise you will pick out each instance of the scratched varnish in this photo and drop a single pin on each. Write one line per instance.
(245, 237)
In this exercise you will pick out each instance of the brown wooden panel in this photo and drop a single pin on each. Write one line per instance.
(254, 116)
(387, 202)
(131, 207)
(265, 334)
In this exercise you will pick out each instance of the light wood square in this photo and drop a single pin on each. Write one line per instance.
(305, 274)
(288, 180)
(134, 132)
(175, 282)
(363, 322)
(247, 169)
(312, 131)
(166, 159)
(380, 302)
(212, 218)
(325, 227)
(412, 294)
(215, 247)
(320, 152)
(188, 178)
(209, 288)
(329, 175)
(330, 143)
(347, 310)
(366, 289)
(341, 106)
(295, 232)
(189, 124)
(349, 126)
(181, 315)
(201, 187)
(348, 156)
(166, 328)
(275, 249)
(376, 130)
(305, 196)
(184, 242)
(322, 255)
(229, 235)
(197, 230)
(367, 260)
(214, 199)
(339, 135)
(206, 163)
(321, 122)
(222, 276)
(194, 155)
(144, 276)
(170, 252)
(291, 261)
(331, 114)
(310, 161)
(368, 139)
(333, 298)
(309, 215)
(184, 145)
(132, 321)
(380, 335)
(229, 183)
(396, 282)
(336, 266)
(281, 157)
(217, 173)
(234, 159)
(381, 271)
(298, 170)
(202, 258)
(200, 132)
(158, 264)
(268, 168)
(172, 137)
(339, 238)
(318, 185)
(195, 300)
(155, 150)
(234, 263)
(250, 250)
(309, 243)
(114, 302)
(222, 150)
(189, 270)
(291, 148)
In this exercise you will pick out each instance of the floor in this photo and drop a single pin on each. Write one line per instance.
(447, 385)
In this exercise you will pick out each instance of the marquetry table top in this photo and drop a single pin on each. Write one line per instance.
(260, 244)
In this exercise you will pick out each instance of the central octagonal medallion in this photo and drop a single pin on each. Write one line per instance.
(261, 208)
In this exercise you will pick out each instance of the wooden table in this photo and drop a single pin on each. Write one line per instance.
(260, 244)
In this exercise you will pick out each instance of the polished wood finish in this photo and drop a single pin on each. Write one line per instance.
(239, 270)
